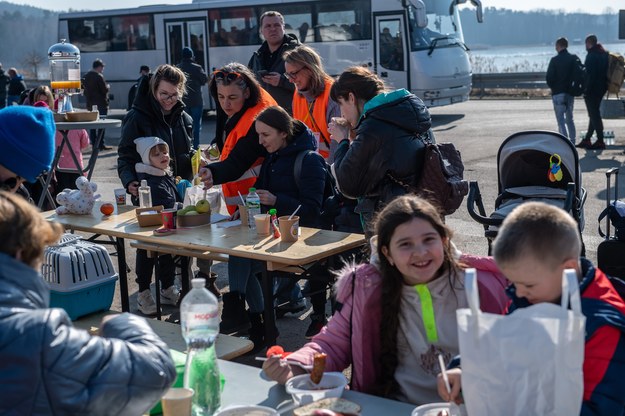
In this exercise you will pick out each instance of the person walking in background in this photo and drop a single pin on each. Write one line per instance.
(123, 371)
(16, 87)
(267, 62)
(4, 81)
(144, 70)
(596, 86)
(559, 74)
(196, 78)
(97, 93)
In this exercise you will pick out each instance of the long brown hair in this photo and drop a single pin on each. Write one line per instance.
(309, 59)
(400, 211)
(361, 82)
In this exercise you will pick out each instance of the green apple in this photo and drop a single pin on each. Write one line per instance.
(202, 206)
(191, 213)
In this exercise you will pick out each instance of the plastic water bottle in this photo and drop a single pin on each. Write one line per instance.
(145, 195)
(199, 318)
(252, 201)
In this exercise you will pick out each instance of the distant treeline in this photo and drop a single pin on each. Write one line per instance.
(27, 32)
(503, 27)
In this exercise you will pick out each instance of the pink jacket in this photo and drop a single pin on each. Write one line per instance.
(360, 345)
(79, 140)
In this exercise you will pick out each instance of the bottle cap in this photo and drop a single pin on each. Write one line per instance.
(252, 190)
(144, 182)
(273, 211)
(198, 282)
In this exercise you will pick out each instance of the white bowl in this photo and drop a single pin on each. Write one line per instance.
(251, 410)
(304, 391)
(431, 409)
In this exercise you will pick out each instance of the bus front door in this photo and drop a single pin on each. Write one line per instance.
(391, 52)
(188, 33)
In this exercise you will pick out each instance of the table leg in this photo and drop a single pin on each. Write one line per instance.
(157, 287)
(94, 152)
(184, 275)
(268, 314)
(123, 274)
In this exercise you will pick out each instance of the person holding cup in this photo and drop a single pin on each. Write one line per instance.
(154, 168)
(283, 138)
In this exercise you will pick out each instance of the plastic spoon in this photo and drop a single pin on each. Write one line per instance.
(295, 212)
(454, 410)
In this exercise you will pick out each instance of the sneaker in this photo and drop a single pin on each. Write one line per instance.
(584, 144)
(146, 303)
(291, 307)
(170, 296)
(315, 326)
(597, 145)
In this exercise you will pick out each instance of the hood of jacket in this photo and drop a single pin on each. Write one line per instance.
(147, 104)
(290, 40)
(399, 108)
(22, 286)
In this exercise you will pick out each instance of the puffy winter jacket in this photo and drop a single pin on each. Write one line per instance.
(276, 176)
(48, 367)
(386, 144)
(283, 93)
(162, 185)
(196, 78)
(146, 119)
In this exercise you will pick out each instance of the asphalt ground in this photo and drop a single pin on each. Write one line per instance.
(477, 128)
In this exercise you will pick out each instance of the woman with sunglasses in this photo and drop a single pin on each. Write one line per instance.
(385, 155)
(239, 99)
(158, 111)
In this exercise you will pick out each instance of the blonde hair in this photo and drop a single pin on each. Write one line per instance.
(545, 232)
(25, 234)
(310, 59)
(44, 90)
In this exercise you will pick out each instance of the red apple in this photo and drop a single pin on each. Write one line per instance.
(107, 208)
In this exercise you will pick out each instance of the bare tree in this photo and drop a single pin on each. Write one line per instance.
(32, 61)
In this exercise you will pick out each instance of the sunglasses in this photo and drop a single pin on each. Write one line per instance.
(226, 76)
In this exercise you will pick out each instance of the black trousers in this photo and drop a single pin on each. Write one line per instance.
(595, 123)
(145, 266)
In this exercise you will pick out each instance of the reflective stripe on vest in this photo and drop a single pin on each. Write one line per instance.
(318, 123)
(242, 185)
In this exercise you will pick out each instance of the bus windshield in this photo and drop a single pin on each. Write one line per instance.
(442, 29)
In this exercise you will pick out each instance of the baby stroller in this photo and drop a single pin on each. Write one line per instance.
(532, 166)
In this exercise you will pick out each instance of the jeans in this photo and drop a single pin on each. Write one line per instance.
(196, 114)
(563, 106)
(593, 105)
(242, 278)
(12, 99)
(287, 289)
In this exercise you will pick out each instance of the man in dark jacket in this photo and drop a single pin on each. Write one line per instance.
(144, 70)
(267, 63)
(4, 81)
(596, 86)
(196, 77)
(16, 87)
(558, 79)
(97, 93)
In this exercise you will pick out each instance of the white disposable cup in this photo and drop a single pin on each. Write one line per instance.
(177, 402)
(120, 196)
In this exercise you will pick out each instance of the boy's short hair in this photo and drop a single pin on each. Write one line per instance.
(540, 230)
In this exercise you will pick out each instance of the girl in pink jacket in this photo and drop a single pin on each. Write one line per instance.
(399, 312)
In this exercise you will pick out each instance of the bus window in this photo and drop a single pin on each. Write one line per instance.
(233, 27)
(346, 20)
(90, 35)
(441, 30)
(391, 45)
(132, 33)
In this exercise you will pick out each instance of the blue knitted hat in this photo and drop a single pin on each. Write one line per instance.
(187, 52)
(26, 140)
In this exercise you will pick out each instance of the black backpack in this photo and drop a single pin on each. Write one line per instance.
(329, 206)
(577, 78)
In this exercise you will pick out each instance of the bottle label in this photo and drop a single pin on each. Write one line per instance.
(201, 320)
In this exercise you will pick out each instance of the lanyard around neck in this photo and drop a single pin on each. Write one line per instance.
(427, 312)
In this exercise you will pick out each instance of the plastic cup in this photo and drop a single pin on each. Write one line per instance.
(243, 215)
(177, 402)
(263, 223)
(289, 228)
(120, 196)
(169, 218)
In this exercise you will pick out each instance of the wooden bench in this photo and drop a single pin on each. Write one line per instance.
(226, 346)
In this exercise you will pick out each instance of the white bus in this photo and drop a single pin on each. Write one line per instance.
(412, 44)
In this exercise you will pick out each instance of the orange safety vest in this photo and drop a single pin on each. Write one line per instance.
(246, 181)
(315, 120)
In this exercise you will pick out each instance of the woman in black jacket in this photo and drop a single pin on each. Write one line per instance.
(157, 111)
(385, 155)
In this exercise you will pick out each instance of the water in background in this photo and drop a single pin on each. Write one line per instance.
(526, 58)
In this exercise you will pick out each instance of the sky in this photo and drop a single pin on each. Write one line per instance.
(588, 6)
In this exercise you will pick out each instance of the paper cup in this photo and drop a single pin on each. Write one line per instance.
(289, 228)
(263, 223)
(243, 215)
(169, 218)
(120, 196)
(177, 402)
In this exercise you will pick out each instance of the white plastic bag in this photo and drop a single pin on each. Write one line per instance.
(526, 363)
(196, 193)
